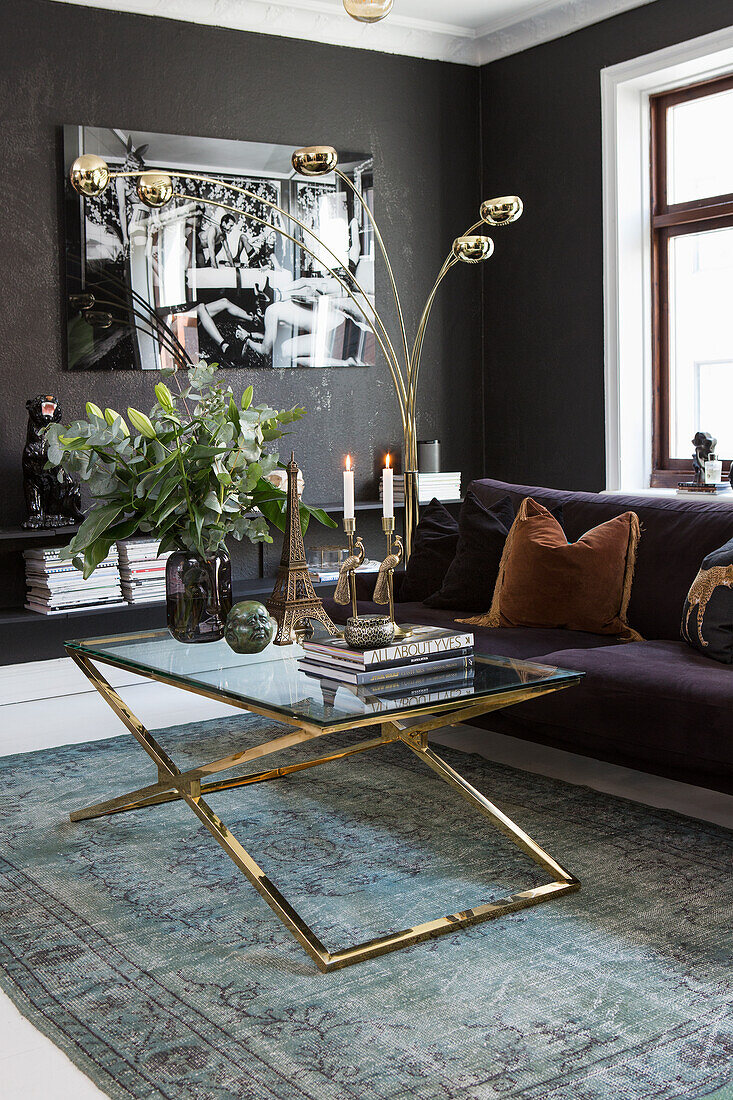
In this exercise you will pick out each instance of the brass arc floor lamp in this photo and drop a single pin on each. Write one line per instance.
(90, 175)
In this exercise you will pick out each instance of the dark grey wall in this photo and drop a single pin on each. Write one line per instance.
(61, 64)
(543, 317)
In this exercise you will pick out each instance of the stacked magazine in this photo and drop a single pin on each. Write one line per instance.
(141, 570)
(430, 657)
(444, 486)
(56, 587)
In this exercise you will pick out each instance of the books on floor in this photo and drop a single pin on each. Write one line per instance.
(56, 587)
(445, 486)
(427, 652)
(326, 575)
(142, 572)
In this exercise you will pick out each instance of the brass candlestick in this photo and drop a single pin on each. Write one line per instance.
(384, 588)
(346, 587)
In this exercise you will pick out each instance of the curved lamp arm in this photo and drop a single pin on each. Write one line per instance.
(391, 356)
(385, 257)
(331, 272)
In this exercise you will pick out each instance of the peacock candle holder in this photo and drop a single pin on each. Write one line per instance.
(384, 588)
(346, 585)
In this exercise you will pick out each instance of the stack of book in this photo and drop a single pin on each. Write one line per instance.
(141, 570)
(689, 489)
(443, 486)
(434, 656)
(56, 587)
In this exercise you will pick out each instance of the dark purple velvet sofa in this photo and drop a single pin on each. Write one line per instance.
(656, 705)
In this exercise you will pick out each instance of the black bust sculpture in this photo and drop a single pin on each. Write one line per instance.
(704, 444)
(50, 502)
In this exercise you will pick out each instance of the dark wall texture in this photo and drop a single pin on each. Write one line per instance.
(63, 64)
(543, 304)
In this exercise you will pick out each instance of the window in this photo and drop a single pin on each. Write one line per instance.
(692, 274)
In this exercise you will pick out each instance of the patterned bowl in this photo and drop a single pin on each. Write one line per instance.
(369, 631)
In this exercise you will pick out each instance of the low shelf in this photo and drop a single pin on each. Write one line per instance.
(28, 642)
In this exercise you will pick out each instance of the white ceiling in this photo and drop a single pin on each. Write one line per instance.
(468, 31)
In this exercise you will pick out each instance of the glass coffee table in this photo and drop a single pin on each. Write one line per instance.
(271, 684)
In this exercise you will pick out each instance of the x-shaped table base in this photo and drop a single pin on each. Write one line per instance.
(191, 787)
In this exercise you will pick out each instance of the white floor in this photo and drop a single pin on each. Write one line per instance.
(32, 717)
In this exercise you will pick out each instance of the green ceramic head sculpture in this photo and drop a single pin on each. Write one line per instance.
(249, 627)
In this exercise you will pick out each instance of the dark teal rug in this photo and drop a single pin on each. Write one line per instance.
(137, 947)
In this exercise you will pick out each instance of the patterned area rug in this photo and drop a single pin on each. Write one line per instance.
(137, 947)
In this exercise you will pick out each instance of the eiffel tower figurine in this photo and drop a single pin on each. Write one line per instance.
(293, 601)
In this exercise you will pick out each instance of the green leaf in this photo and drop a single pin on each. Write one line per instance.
(95, 524)
(74, 442)
(170, 507)
(199, 522)
(141, 423)
(317, 514)
(212, 502)
(247, 397)
(167, 543)
(197, 450)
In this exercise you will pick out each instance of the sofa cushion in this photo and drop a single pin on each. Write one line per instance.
(676, 535)
(434, 547)
(707, 617)
(654, 705)
(546, 581)
(468, 585)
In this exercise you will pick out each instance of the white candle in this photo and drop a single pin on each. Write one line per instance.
(387, 493)
(348, 490)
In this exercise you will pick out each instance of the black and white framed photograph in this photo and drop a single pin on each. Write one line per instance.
(277, 277)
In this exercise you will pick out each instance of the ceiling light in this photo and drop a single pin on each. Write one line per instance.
(368, 11)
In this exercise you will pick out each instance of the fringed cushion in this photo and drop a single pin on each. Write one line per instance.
(544, 581)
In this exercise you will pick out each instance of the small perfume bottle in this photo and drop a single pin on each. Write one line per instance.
(713, 470)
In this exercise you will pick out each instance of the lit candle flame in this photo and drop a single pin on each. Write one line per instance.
(387, 462)
(348, 462)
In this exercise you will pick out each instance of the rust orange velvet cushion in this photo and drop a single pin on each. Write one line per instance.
(544, 581)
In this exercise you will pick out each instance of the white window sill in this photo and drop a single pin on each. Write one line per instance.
(724, 499)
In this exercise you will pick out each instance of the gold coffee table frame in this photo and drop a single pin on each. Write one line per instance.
(411, 728)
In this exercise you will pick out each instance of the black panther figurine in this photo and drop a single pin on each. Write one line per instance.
(50, 502)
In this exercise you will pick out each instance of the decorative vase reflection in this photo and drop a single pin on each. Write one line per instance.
(198, 595)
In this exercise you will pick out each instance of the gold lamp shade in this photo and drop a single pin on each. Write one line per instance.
(315, 160)
(97, 317)
(502, 211)
(89, 175)
(472, 250)
(368, 11)
(155, 188)
(81, 301)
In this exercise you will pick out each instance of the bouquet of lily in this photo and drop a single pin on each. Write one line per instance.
(190, 472)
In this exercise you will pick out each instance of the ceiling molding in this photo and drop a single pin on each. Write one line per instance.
(547, 20)
(321, 21)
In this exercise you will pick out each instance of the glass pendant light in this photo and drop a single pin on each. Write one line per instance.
(368, 11)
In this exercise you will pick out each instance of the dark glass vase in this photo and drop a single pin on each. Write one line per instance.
(198, 595)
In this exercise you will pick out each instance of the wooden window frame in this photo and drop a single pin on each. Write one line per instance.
(670, 220)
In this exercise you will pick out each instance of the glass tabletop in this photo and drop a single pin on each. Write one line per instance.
(273, 681)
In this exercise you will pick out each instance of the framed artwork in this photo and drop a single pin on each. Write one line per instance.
(217, 266)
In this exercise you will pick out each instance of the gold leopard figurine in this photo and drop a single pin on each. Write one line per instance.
(703, 586)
